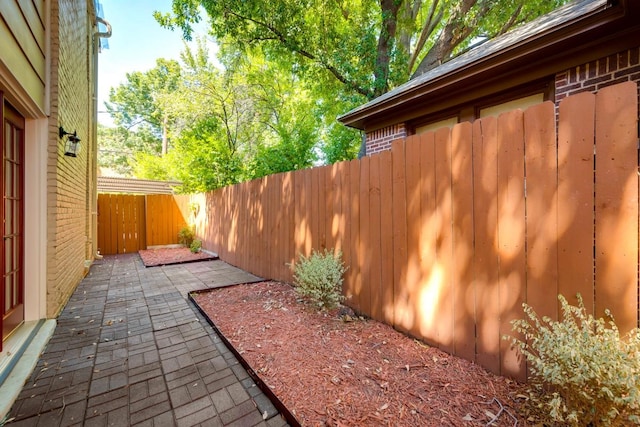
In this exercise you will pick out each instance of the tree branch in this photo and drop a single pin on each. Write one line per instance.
(296, 49)
(408, 13)
(453, 33)
(427, 29)
(513, 20)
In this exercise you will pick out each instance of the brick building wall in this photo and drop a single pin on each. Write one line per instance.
(593, 76)
(381, 139)
(68, 180)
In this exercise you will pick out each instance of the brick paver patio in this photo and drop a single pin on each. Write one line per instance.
(130, 349)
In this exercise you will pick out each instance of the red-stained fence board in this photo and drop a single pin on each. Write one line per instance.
(444, 240)
(386, 237)
(462, 212)
(576, 138)
(542, 209)
(375, 237)
(364, 248)
(511, 235)
(402, 309)
(416, 310)
(617, 204)
(485, 260)
(430, 272)
(354, 274)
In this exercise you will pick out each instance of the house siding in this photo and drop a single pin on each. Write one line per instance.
(70, 188)
(23, 41)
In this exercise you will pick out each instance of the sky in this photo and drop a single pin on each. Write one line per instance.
(136, 42)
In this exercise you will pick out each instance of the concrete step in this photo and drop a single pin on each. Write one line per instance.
(18, 359)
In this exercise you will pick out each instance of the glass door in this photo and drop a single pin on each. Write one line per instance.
(12, 213)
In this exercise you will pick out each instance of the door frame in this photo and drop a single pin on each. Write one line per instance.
(15, 316)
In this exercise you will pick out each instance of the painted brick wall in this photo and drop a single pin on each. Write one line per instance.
(67, 182)
(593, 76)
(381, 139)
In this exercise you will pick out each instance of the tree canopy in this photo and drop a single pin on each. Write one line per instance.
(142, 101)
(284, 71)
(368, 46)
(246, 119)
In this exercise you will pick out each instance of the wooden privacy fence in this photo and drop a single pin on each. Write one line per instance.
(447, 234)
(166, 215)
(121, 223)
(128, 223)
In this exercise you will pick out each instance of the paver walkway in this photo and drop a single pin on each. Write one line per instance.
(130, 349)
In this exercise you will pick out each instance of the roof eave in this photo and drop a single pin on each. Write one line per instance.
(538, 46)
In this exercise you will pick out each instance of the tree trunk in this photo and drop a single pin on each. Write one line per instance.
(385, 44)
(454, 32)
(165, 137)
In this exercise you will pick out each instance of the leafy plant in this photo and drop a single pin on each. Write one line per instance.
(195, 246)
(319, 278)
(186, 235)
(582, 371)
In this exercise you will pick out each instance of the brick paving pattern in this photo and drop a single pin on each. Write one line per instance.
(130, 349)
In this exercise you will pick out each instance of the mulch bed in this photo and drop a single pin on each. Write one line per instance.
(167, 256)
(337, 369)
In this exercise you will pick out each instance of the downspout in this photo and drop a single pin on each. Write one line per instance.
(93, 196)
(102, 35)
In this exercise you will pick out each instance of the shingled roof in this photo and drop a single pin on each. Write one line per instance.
(108, 184)
(551, 37)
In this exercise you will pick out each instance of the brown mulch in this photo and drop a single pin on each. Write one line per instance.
(336, 369)
(167, 256)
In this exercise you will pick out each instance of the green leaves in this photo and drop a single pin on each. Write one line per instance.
(593, 375)
(319, 278)
(117, 148)
(143, 99)
(288, 68)
(368, 46)
(222, 125)
(203, 160)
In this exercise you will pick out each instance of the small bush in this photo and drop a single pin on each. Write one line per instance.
(319, 278)
(581, 371)
(186, 236)
(195, 246)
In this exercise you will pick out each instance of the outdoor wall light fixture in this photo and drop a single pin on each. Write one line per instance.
(72, 144)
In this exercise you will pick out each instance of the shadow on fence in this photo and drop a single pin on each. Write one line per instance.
(447, 234)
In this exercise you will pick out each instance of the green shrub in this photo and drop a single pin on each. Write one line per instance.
(186, 235)
(319, 278)
(195, 246)
(581, 371)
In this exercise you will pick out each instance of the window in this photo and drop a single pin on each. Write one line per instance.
(522, 103)
(449, 122)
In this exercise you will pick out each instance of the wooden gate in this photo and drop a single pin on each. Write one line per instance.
(121, 223)
(128, 223)
(165, 217)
